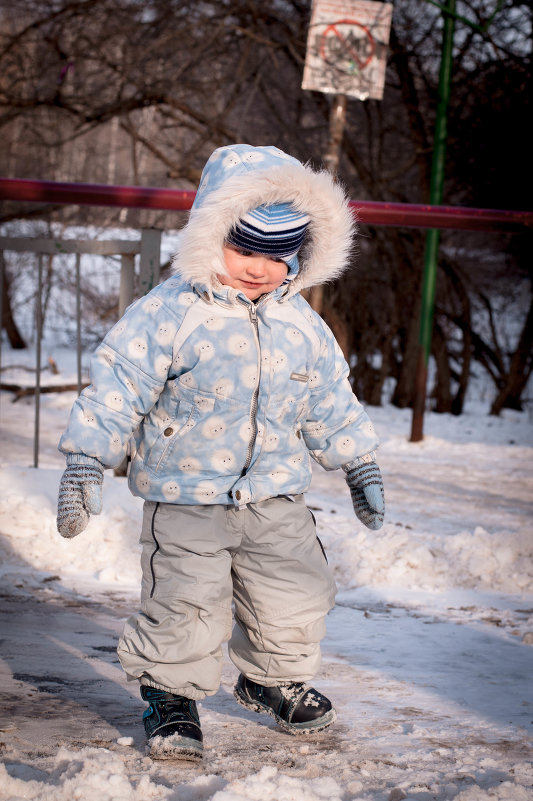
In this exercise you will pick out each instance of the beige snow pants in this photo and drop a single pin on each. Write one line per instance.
(196, 560)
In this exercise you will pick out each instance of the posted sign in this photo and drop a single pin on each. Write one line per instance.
(347, 47)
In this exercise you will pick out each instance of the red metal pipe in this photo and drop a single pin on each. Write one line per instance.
(370, 212)
(143, 197)
(412, 215)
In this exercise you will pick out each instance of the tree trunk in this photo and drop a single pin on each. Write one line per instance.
(406, 287)
(462, 318)
(459, 398)
(510, 394)
(315, 298)
(441, 392)
(405, 386)
(339, 328)
(16, 339)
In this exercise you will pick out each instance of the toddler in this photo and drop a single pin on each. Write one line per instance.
(227, 382)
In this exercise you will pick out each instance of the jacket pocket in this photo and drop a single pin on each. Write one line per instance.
(184, 420)
(292, 410)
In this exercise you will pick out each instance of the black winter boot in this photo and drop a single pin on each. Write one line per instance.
(172, 725)
(297, 708)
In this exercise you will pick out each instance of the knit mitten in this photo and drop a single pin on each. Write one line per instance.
(366, 488)
(80, 495)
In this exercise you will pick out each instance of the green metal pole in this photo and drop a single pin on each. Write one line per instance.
(432, 236)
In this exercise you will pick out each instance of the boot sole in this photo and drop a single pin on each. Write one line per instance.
(175, 747)
(293, 728)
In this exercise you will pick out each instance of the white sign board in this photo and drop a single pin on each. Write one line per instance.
(347, 47)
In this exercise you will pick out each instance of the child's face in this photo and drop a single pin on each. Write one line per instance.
(252, 273)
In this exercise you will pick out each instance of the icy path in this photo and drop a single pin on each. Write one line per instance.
(453, 728)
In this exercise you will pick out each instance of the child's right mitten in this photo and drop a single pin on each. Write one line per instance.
(80, 495)
(366, 488)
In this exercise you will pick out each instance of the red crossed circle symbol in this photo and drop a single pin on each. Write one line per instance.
(352, 53)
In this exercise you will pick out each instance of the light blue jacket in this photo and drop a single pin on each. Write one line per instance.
(227, 399)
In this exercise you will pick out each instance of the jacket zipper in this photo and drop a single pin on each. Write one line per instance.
(252, 312)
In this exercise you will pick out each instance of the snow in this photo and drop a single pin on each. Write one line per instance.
(428, 655)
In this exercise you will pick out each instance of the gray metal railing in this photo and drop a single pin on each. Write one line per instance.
(147, 248)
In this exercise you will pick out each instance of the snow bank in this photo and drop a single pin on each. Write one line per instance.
(107, 551)
(97, 773)
(396, 557)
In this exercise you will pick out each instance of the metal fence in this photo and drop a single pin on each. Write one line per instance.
(148, 251)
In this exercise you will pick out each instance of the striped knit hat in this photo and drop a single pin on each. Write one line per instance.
(276, 230)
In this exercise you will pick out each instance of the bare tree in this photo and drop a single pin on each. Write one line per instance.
(129, 92)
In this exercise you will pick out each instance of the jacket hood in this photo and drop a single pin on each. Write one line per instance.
(238, 178)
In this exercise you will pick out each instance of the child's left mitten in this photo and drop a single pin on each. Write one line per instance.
(366, 488)
(80, 495)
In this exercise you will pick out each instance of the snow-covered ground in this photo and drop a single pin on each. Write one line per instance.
(428, 656)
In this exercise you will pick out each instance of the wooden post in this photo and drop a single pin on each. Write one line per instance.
(127, 273)
(337, 122)
(150, 259)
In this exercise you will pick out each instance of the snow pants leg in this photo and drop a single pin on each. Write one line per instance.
(282, 589)
(195, 561)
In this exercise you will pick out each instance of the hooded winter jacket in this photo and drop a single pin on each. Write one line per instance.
(227, 398)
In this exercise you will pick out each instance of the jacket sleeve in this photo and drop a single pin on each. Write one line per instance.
(128, 372)
(337, 429)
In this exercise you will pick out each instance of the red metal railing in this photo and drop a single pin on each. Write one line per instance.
(370, 212)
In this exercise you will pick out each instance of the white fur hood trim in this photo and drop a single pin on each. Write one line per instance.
(329, 241)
